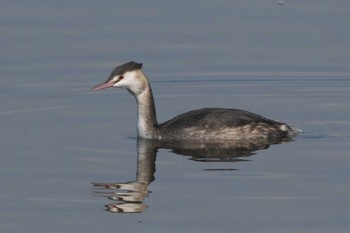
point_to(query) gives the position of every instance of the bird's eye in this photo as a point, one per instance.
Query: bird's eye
(121, 77)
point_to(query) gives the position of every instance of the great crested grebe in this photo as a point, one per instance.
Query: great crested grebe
(207, 124)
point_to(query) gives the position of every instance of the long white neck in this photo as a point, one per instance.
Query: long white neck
(146, 114)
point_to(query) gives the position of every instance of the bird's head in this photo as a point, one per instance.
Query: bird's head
(128, 76)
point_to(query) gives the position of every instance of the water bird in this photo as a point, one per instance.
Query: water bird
(206, 124)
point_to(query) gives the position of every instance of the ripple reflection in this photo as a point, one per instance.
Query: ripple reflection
(129, 196)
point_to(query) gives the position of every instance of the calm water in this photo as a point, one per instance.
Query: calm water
(288, 62)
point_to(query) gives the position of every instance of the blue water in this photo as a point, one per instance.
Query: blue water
(288, 62)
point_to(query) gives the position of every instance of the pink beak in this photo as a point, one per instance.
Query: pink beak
(103, 85)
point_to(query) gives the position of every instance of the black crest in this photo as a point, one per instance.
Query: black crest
(124, 68)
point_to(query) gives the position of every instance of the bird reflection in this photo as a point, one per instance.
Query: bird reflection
(129, 196)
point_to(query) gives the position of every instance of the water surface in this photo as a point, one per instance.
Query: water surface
(287, 62)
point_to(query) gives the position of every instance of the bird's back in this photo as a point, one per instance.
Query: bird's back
(222, 124)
